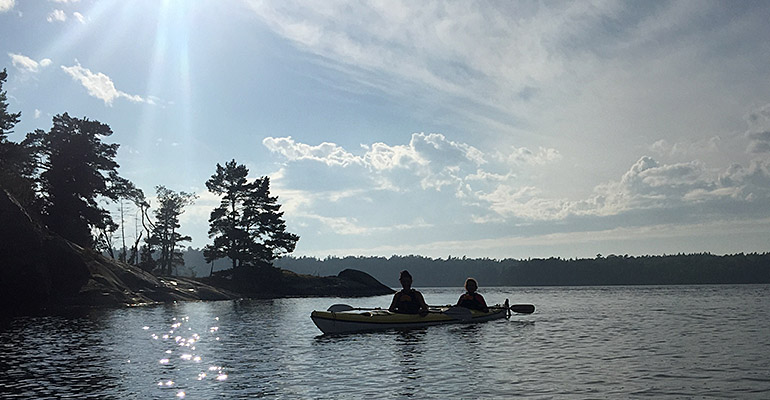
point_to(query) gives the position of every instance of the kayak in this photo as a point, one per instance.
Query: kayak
(365, 320)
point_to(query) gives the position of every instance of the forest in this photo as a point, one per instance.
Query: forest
(602, 270)
(609, 270)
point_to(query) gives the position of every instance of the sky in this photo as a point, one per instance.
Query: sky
(453, 128)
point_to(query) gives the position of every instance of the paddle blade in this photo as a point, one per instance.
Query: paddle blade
(340, 308)
(523, 308)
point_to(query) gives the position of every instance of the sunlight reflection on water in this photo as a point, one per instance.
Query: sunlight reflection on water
(662, 342)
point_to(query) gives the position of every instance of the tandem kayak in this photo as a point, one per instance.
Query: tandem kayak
(345, 319)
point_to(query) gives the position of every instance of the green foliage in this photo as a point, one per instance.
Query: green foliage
(247, 227)
(165, 239)
(72, 160)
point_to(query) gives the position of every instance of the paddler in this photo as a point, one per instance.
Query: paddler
(470, 299)
(408, 300)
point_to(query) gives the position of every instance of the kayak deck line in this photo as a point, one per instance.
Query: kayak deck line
(382, 319)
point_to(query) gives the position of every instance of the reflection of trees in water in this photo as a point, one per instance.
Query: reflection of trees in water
(409, 348)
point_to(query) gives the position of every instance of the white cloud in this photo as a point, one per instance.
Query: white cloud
(37, 113)
(25, 63)
(489, 186)
(98, 84)
(327, 153)
(56, 16)
(430, 159)
(428, 163)
(65, 1)
(651, 185)
(6, 5)
(78, 16)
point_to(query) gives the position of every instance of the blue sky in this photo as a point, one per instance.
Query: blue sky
(485, 129)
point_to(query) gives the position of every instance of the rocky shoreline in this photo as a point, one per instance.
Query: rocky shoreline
(42, 271)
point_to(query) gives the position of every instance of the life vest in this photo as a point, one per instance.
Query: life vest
(472, 301)
(406, 302)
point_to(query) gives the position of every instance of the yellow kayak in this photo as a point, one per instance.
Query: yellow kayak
(345, 319)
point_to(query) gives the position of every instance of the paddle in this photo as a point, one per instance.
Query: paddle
(345, 307)
(459, 313)
(517, 308)
(522, 308)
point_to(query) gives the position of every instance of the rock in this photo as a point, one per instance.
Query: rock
(40, 270)
(348, 283)
(366, 280)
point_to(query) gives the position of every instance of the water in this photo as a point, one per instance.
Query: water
(598, 342)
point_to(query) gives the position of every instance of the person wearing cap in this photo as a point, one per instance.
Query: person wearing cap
(408, 300)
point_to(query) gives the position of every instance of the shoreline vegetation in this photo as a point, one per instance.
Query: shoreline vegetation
(671, 269)
(44, 272)
(680, 269)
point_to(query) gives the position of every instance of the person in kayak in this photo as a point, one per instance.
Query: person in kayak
(408, 300)
(470, 299)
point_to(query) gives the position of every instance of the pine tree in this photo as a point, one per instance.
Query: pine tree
(248, 226)
(73, 159)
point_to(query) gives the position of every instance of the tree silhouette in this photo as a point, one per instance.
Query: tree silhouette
(15, 159)
(247, 226)
(72, 160)
(165, 237)
(7, 120)
(124, 190)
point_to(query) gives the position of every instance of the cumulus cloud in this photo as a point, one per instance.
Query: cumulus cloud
(6, 5)
(489, 181)
(56, 16)
(99, 85)
(647, 185)
(431, 160)
(748, 184)
(25, 63)
(327, 153)
(487, 189)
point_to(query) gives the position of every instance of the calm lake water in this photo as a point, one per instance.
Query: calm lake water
(582, 342)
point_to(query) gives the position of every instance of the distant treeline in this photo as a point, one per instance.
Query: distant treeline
(610, 270)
